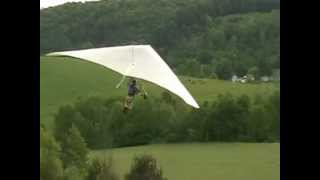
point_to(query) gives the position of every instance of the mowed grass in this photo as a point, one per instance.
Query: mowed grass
(63, 80)
(207, 161)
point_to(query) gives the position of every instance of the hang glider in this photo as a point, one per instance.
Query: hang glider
(138, 61)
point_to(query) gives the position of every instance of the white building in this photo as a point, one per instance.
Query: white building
(234, 78)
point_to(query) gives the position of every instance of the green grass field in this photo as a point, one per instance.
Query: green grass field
(63, 80)
(208, 161)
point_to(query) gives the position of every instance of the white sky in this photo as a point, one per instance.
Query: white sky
(49, 3)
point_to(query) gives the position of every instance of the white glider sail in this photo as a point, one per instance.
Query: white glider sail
(139, 61)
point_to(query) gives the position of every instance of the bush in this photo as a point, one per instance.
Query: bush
(102, 124)
(74, 173)
(255, 72)
(102, 169)
(224, 69)
(74, 149)
(51, 167)
(167, 98)
(92, 116)
(63, 121)
(213, 75)
(145, 168)
(225, 121)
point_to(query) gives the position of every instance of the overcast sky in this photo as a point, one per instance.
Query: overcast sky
(49, 3)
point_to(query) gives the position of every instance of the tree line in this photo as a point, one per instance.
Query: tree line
(206, 38)
(96, 123)
(165, 120)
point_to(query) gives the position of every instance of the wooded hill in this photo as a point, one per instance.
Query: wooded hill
(202, 38)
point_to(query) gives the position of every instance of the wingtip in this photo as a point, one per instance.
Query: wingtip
(48, 54)
(195, 105)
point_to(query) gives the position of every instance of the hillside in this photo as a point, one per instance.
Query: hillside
(64, 80)
(198, 38)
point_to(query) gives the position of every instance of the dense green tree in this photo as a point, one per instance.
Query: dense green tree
(227, 118)
(246, 32)
(259, 124)
(190, 67)
(92, 121)
(63, 121)
(74, 173)
(243, 107)
(102, 169)
(74, 149)
(205, 57)
(51, 166)
(254, 71)
(273, 111)
(145, 168)
(224, 69)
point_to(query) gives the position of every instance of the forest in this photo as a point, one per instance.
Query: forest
(200, 38)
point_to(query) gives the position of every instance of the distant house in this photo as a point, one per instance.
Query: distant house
(234, 78)
(243, 80)
(239, 79)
